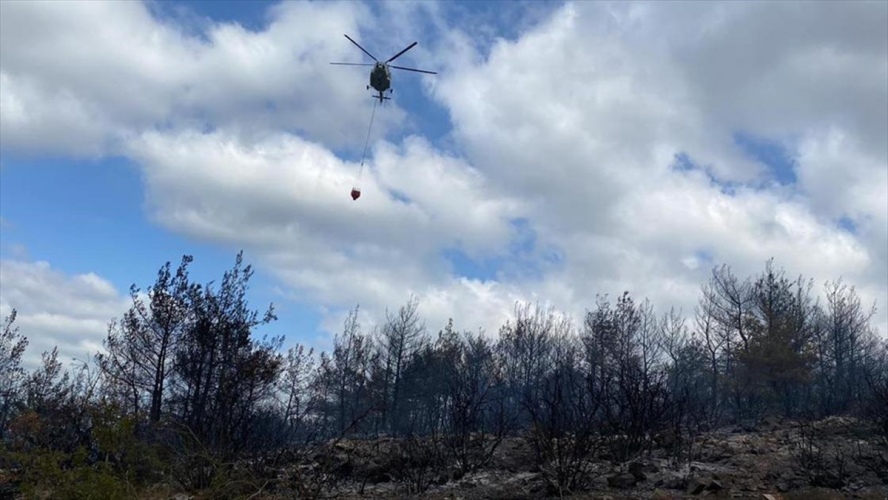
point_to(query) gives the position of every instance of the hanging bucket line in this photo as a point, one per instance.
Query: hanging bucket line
(356, 190)
(367, 142)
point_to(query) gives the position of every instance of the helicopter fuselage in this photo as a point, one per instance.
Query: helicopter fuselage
(381, 77)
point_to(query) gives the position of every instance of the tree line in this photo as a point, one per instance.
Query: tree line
(185, 387)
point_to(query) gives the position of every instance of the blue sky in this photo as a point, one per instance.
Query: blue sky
(540, 164)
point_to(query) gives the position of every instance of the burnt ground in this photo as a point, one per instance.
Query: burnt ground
(833, 458)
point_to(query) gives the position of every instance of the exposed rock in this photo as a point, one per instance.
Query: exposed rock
(772, 423)
(696, 486)
(377, 474)
(624, 480)
(639, 470)
(699, 485)
(675, 483)
(345, 445)
(828, 480)
(666, 439)
(659, 494)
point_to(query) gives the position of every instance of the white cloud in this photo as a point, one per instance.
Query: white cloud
(219, 185)
(808, 64)
(57, 309)
(287, 200)
(572, 126)
(599, 110)
(36, 118)
(842, 180)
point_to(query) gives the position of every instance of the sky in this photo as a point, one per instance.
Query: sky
(563, 150)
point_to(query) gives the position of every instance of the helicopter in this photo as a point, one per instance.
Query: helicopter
(381, 75)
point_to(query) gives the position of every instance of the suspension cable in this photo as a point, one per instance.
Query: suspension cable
(364, 154)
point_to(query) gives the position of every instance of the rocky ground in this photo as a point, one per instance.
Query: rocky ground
(833, 458)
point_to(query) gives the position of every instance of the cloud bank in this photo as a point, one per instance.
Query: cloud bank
(594, 151)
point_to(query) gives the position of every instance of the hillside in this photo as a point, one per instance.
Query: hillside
(837, 457)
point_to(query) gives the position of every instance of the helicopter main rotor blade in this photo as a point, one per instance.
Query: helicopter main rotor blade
(362, 48)
(400, 53)
(353, 64)
(412, 69)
